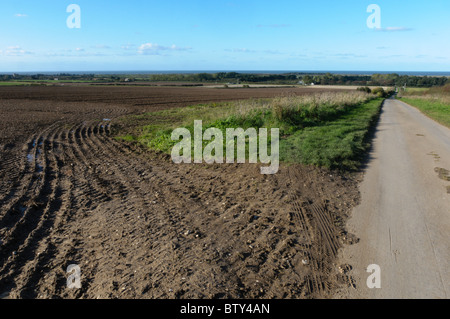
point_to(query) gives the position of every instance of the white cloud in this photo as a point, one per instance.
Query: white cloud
(245, 50)
(156, 49)
(128, 46)
(101, 46)
(15, 51)
(150, 49)
(21, 15)
(272, 52)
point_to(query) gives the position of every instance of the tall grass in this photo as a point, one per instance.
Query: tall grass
(317, 107)
(291, 113)
(311, 104)
(325, 129)
(439, 94)
(433, 102)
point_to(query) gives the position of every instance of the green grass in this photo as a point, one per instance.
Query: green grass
(416, 90)
(433, 102)
(13, 83)
(40, 82)
(156, 133)
(434, 108)
(339, 143)
(326, 130)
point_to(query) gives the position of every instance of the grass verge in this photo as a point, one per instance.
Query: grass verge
(433, 102)
(433, 108)
(339, 143)
(327, 130)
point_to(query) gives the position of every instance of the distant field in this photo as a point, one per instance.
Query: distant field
(157, 229)
(434, 102)
(411, 91)
(14, 83)
(39, 82)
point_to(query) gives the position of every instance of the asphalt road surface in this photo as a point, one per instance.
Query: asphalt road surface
(403, 221)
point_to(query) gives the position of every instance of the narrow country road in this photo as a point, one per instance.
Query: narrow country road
(403, 221)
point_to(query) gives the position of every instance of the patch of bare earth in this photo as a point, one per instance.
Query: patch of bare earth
(140, 226)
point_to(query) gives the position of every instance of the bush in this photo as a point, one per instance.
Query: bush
(364, 89)
(380, 92)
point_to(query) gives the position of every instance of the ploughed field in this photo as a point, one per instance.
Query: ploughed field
(140, 226)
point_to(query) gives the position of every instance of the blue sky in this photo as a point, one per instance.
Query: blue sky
(224, 35)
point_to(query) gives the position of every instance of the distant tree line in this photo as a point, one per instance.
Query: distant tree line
(243, 78)
(233, 77)
(46, 77)
(307, 79)
(376, 80)
(377, 91)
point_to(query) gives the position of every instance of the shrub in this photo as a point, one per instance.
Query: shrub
(379, 92)
(364, 89)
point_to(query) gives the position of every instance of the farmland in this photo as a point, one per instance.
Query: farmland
(80, 185)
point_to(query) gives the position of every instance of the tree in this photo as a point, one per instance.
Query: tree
(307, 79)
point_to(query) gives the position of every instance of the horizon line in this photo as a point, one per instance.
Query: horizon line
(354, 72)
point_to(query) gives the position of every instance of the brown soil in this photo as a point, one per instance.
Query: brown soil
(140, 226)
